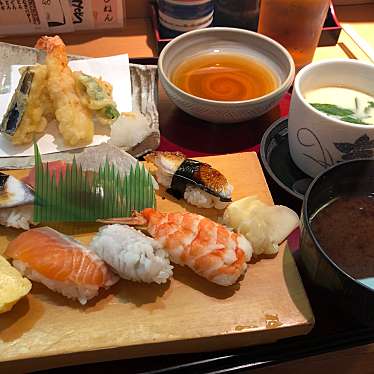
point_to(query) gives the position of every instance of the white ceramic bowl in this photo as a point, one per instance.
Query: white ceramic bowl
(226, 40)
(316, 140)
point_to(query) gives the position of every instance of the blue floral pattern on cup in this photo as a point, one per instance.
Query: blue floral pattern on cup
(362, 147)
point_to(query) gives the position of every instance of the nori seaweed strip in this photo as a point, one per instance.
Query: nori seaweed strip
(186, 174)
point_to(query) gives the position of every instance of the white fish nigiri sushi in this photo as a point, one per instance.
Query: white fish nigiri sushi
(132, 255)
(61, 263)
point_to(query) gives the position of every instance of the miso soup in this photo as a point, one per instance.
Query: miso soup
(345, 230)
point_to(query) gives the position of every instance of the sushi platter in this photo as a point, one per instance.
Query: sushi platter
(137, 319)
(206, 267)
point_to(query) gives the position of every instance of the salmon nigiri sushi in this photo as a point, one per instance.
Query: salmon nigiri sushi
(60, 262)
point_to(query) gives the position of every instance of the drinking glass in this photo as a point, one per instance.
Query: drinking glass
(296, 24)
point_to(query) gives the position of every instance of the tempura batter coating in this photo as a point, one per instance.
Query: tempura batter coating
(96, 95)
(38, 106)
(74, 120)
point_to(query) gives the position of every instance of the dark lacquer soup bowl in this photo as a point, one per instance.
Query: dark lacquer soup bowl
(337, 236)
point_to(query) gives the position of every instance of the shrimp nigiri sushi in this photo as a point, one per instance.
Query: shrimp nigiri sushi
(60, 263)
(197, 182)
(208, 248)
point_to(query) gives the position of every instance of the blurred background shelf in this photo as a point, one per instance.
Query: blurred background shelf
(138, 40)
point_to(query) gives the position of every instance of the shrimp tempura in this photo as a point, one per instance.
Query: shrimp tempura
(74, 120)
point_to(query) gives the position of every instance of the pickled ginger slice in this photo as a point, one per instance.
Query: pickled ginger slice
(265, 226)
(12, 285)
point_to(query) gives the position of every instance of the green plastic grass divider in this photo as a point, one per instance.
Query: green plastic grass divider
(85, 196)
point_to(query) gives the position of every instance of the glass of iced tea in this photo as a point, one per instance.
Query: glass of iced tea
(296, 24)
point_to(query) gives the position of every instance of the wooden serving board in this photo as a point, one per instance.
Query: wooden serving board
(188, 314)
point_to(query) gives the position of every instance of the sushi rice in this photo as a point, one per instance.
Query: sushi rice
(131, 254)
(82, 293)
(202, 199)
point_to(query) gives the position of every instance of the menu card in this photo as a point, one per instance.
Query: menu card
(59, 16)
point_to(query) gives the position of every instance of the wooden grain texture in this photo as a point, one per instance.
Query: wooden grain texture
(188, 314)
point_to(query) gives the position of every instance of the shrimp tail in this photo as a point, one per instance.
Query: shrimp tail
(49, 43)
(137, 219)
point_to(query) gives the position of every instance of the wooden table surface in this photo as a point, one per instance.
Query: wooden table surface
(137, 40)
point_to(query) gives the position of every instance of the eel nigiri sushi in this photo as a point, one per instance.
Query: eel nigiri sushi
(131, 254)
(208, 248)
(197, 182)
(61, 263)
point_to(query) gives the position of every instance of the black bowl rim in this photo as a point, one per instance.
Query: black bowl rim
(306, 221)
(266, 164)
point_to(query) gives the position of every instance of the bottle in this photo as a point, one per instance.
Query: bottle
(237, 13)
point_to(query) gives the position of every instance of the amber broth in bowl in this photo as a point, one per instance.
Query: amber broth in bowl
(224, 77)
